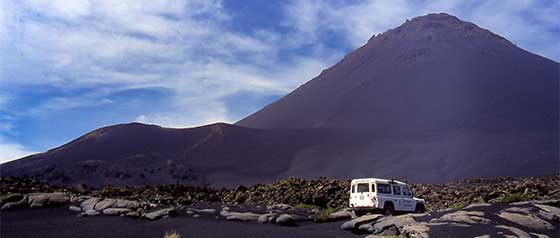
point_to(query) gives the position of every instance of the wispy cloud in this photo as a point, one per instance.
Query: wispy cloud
(532, 24)
(180, 45)
(60, 56)
(11, 151)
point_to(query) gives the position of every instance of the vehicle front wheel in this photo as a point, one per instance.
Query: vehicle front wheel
(420, 208)
(389, 209)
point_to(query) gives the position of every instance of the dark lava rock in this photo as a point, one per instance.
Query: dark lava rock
(321, 192)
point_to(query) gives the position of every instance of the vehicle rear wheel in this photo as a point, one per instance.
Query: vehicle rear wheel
(357, 213)
(389, 209)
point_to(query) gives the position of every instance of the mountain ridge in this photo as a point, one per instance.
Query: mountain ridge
(410, 61)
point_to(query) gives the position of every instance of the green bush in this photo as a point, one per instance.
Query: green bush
(456, 206)
(324, 214)
(479, 200)
(515, 197)
(306, 206)
(172, 234)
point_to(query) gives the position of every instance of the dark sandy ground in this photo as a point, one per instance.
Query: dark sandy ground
(59, 222)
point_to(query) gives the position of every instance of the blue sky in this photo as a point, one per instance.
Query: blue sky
(68, 67)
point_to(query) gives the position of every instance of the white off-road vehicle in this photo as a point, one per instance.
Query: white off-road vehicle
(370, 194)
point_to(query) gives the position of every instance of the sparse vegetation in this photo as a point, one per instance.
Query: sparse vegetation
(516, 197)
(479, 200)
(324, 214)
(306, 206)
(456, 205)
(10, 197)
(172, 234)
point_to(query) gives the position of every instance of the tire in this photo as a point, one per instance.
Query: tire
(420, 208)
(389, 209)
(357, 213)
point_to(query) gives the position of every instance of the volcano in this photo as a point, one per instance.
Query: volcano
(435, 99)
(442, 99)
(432, 73)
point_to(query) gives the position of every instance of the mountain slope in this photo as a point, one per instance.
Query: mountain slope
(442, 98)
(434, 72)
(135, 153)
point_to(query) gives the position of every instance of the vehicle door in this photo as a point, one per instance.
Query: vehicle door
(408, 203)
(397, 197)
(363, 195)
(384, 194)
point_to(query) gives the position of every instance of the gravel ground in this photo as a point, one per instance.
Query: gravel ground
(59, 222)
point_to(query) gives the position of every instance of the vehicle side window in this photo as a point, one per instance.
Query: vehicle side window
(405, 191)
(373, 188)
(383, 188)
(363, 187)
(353, 188)
(396, 189)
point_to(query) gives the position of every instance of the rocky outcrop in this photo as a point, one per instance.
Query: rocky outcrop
(286, 193)
(267, 218)
(280, 206)
(496, 190)
(240, 216)
(35, 200)
(529, 219)
(340, 215)
(94, 206)
(357, 222)
(47, 199)
(465, 217)
(205, 211)
(91, 212)
(15, 204)
(116, 211)
(322, 193)
(11, 197)
(162, 213)
(74, 209)
(89, 204)
(290, 219)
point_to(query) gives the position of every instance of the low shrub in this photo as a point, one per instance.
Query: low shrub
(456, 205)
(306, 206)
(172, 234)
(515, 197)
(324, 214)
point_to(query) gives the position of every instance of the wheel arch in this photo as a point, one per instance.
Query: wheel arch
(388, 202)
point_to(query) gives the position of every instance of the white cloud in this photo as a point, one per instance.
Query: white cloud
(11, 151)
(67, 10)
(196, 114)
(357, 22)
(530, 24)
(187, 47)
(164, 44)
